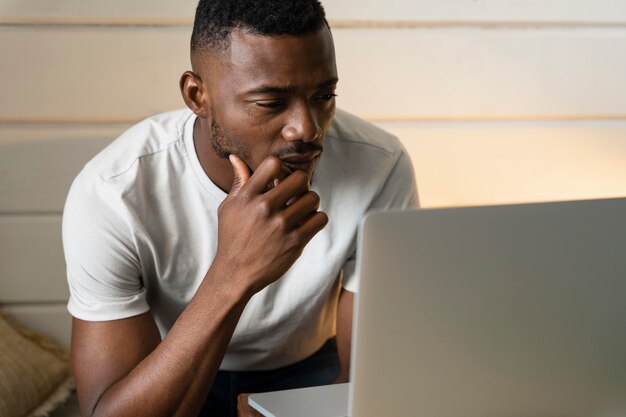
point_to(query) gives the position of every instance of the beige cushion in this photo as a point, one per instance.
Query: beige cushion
(34, 373)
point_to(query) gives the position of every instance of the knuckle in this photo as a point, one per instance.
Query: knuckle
(282, 224)
(263, 209)
(294, 242)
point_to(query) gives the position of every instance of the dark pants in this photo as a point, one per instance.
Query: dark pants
(321, 368)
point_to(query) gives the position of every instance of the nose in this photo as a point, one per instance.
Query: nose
(302, 124)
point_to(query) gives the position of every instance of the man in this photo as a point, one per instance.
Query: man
(195, 242)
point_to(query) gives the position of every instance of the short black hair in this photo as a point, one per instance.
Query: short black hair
(215, 20)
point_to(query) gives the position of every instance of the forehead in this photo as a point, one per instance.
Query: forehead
(294, 61)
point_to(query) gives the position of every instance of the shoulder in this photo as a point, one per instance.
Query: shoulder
(151, 136)
(356, 147)
(139, 157)
(348, 130)
(359, 155)
(362, 168)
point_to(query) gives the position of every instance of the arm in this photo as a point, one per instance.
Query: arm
(344, 333)
(121, 366)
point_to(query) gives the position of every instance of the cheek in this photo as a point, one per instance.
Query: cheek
(256, 140)
(326, 118)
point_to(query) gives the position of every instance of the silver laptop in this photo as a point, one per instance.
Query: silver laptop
(324, 401)
(491, 312)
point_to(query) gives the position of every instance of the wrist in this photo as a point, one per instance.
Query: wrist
(230, 282)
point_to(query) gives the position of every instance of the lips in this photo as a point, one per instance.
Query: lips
(303, 162)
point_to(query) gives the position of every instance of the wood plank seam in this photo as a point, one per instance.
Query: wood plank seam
(335, 24)
(107, 120)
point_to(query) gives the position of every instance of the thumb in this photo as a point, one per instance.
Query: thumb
(241, 173)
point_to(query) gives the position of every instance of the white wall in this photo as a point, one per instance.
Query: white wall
(497, 101)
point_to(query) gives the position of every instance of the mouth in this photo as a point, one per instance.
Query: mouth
(302, 162)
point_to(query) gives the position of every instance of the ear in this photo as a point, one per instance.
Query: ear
(194, 95)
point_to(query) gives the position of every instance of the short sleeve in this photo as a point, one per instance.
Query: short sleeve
(400, 189)
(398, 192)
(103, 270)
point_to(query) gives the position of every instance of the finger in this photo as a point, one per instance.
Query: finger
(311, 226)
(269, 169)
(296, 184)
(299, 211)
(241, 174)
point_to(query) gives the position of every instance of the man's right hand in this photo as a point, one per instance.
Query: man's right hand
(263, 231)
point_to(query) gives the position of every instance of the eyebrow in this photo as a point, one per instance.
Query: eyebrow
(271, 89)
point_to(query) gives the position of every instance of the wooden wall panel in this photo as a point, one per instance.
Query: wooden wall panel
(99, 73)
(495, 163)
(32, 267)
(84, 74)
(483, 11)
(39, 163)
(81, 10)
(601, 11)
(52, 320)
(482, 74)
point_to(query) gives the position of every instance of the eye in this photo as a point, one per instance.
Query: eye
(270, 104)
(326, 97)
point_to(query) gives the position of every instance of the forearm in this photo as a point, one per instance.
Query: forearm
(344, 333)
(175, 378)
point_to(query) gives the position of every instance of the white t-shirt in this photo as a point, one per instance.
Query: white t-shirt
(140, 233)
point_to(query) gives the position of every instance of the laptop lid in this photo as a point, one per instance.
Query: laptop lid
(492, 312)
